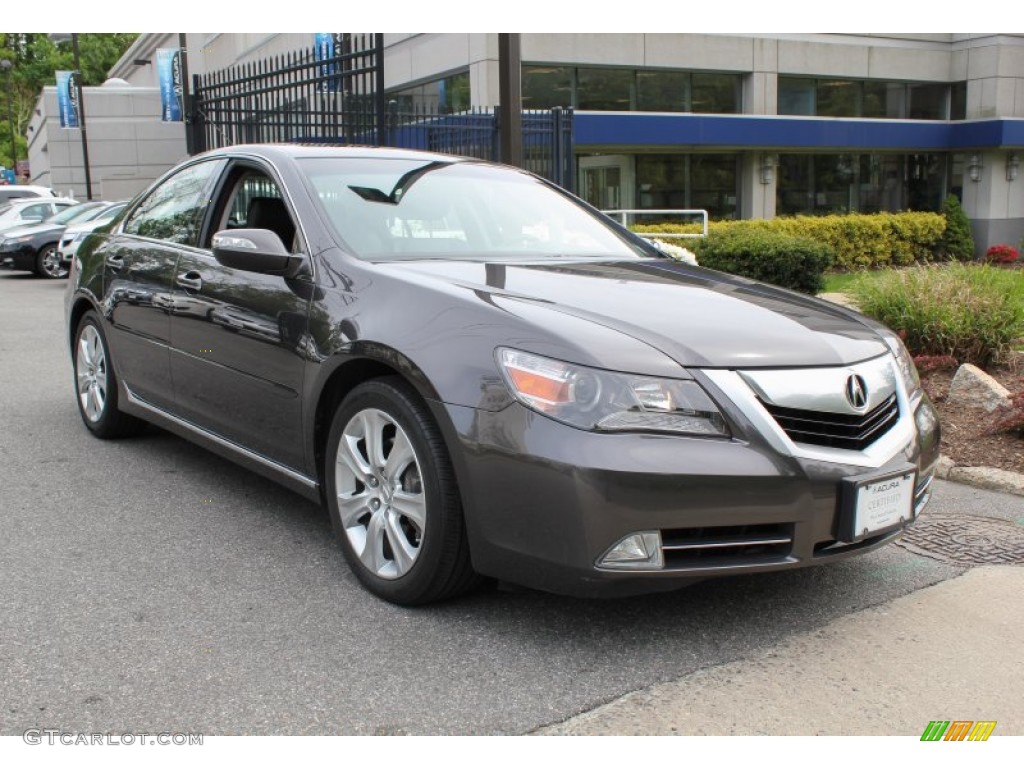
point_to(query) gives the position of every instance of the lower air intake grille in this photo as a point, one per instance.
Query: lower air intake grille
(836, 430)
(722, 546)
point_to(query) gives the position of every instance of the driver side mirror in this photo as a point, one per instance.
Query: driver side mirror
(255, 250)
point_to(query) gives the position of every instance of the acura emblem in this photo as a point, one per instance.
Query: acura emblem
(856, 392)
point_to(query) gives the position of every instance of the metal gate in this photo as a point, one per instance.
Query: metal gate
(310, 97)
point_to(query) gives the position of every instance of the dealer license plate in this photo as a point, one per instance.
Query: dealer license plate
(880, 504)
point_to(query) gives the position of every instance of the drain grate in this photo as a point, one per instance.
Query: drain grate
(966, 540)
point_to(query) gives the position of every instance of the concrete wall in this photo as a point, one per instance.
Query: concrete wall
(129, 146)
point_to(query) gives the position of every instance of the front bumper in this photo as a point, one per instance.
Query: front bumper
(544, 502)
(17, 256)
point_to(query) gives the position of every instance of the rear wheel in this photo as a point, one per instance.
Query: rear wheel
(48, 263)
(392, 496)
(96, 384)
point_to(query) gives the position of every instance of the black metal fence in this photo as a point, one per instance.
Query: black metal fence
(300, 97)
(295, 97)
(547, 137)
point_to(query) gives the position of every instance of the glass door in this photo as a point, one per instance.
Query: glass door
(606, 181)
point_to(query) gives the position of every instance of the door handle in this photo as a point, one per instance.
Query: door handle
(191, 281)
(115, 261)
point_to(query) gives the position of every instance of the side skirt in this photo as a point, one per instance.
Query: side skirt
(279, 473)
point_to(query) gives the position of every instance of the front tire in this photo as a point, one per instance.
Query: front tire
(96, 384)
(48, 263)
(392, 497)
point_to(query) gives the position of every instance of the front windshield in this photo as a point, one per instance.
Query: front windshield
(82, 212)
(400, 209)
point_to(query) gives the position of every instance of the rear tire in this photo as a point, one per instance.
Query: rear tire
(96, 384)
(392, 496)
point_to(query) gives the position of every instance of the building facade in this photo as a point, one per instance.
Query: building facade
(745, 126)
(129, 146)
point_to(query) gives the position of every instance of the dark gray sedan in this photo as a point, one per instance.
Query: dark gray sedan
(481, 376)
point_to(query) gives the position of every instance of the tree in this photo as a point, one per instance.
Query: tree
(957, 241)
(35, 58)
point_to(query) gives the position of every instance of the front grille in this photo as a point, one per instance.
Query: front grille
(728, 545)
(836, 430)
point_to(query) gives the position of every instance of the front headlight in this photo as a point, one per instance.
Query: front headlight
(605, 401)
(907, 369)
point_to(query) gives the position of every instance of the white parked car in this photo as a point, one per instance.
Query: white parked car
(76, 233)
(18, 191)
(31, 210)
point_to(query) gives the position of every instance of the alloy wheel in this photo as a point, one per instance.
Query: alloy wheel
(91, 373)
(379, 486)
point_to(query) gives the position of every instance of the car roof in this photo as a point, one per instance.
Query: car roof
(39, 191)
(37, 200)
(280, 151)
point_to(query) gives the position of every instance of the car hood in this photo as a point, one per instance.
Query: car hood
(33, 229)
(87, 226)
(697, 317)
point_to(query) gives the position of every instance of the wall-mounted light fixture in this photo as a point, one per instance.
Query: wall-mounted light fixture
(974, 168)
(768, 163)
(1012, 166)
(141, 62)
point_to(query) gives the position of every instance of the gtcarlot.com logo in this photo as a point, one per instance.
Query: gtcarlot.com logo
(53, 736)
(958, 730)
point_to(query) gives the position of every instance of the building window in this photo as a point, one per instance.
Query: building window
(698, 180)
(860, 183)
(929, 102)
(445, 95)
(827, 97)
(658, 91)
(958, 101)
(547, 87)
(608, 90)
(614, 90)
(796, 96)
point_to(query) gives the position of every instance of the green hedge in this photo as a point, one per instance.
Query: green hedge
(772, 257)
(859, 241)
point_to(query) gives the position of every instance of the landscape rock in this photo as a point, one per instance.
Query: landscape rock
(990, 478)
(944, 466)
(974, 388)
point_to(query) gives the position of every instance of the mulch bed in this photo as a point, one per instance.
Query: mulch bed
(964, 437)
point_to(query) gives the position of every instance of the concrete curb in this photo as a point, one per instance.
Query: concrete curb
(989, 478)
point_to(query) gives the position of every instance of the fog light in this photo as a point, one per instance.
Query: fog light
(927, 425)
(638, 550)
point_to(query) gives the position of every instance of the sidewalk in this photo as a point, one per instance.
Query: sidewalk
(954, 651)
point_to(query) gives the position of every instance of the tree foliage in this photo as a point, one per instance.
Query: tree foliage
(35, 58)
(957, 240)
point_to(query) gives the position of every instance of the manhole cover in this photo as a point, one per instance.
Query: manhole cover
(966, 540)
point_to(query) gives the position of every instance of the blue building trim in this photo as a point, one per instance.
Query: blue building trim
(661, 130)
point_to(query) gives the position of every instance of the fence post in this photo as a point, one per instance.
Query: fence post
(195, 126)
(378, 66)
(569, 145)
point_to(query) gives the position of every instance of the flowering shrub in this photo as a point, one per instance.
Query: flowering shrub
(673, 250)
(931, 363)
(1010, 419)
(1001, 254)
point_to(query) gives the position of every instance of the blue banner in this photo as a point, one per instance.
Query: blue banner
(168, 70)
(325, 52)
(67, 99)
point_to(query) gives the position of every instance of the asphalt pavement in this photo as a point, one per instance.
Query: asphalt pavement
(149, 585)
